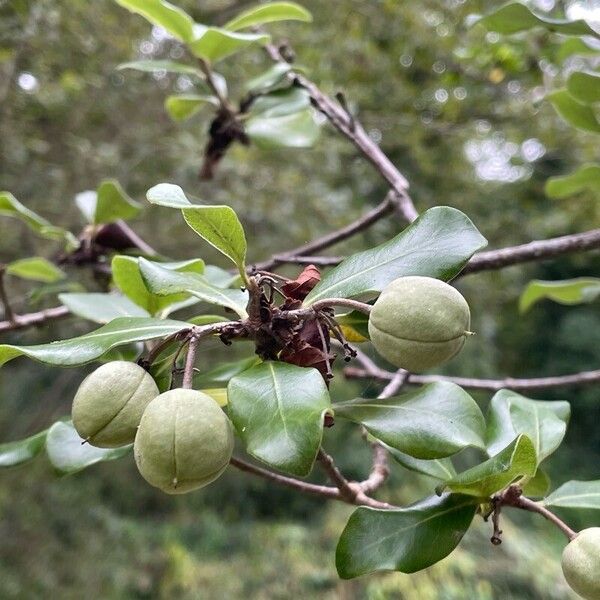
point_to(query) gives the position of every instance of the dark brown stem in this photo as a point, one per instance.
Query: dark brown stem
(210, 81)
(535, 383)
(512, 497)
(8, 311)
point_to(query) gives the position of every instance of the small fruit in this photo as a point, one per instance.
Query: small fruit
(109, 403)
(184, 441)
(581, 563)
(419, 322)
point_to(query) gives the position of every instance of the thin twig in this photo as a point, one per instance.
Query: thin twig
(190, 361)
(323, 491)
(538, 250)
(212, 84)
(346, 490)
(351, 128)
(513, 497)
(135, 239)
(353, 304)
(330, 239)
(536, 383)
(35, 318)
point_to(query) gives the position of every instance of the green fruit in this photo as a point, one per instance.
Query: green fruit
(109, 403)
(184, 441)
(581, 563)
(419, 322)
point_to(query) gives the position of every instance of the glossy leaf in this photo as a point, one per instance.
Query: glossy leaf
(297, 130)
(225, 371)
(515, 462)
(272, 76)
(269, 13)
(35, 268)
(164, 14)
(186, 105)
(22, 451)
(570, 291)
(354, 326)
(221, 228)
(69, 454)
(166, 282)
(574, 46)
(438, 468)
(126, 275)
(11, 207)
(168, 194)
(575, 494)
(573, 112)
(406, 539)
(515, 17)
(214, 43)
(86, 348)
(584, 86)
(281, 103)
(437, 244)
(511, 414)
(586, 178)
(538, 486)
(101, 308)
(113, 203)
(435, 421)
(278, 411)
(157, 66)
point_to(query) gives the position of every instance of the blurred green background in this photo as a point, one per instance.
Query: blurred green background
(459, 111)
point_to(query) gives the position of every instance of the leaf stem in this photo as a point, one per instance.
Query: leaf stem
(354, 304)
(190, 361)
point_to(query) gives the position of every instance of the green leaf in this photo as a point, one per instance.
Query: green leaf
(586, 178)
(219, 395)
(569, 291)
(281, 103)
(354, 325)
(127, 276)
(225, 371)
(435, 421)
(584, 86)
(516, 462)
(573, 112)
(154, 66)
(269, 13)
(214, 43)
(11, 207)
(272, 76)
(438, 468)
(168, 194)
(515, 17)
(35, 268)
(108, 204)
(69, 454)
(171, 18)
(537, 486)
(186, 105)
(166, 282)
(86, 348)
(101, 308)
(221, 228)
(22, 451)
(511, 414)
(297, 130)
(438, 244)
(278, 411)
(406, 539)
(575, 494)
(573, 46)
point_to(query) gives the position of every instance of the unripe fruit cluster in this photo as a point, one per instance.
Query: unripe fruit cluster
(581, 563)
(182, 438)
(418, 323)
